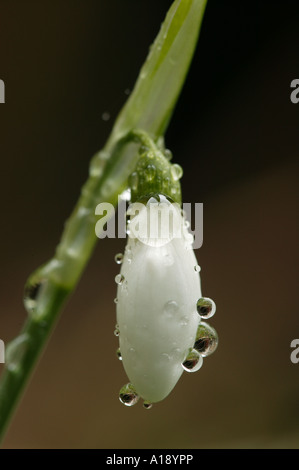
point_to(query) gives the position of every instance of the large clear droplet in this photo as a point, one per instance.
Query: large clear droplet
(128, 395)
(168, 154)
(119, 279)
(206, 340)
(206, 307)
(119, 258)
(193, 361)
(31, 294)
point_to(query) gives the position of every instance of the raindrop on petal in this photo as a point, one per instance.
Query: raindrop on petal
(206, 340)
(119, 258)
(193, 361)
(119, 279)
(206, 307)
(118, 354)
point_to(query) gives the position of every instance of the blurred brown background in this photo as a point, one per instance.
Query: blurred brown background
(235, 131)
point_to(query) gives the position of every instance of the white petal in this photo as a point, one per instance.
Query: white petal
(156, 314)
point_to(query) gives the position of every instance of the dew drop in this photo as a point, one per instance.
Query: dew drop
(147, 405)
(176, 172)
(119, 279)
(31, 294)
(133, 181)
(150, 172)
(119, 258)
(128, 395)
(116, 300)
(116, 331)
(197, 268)
(170, 308)
(206, 307)
(118, 354)
(193, 361)
(206, 340)
(168, 154)
(15, 352)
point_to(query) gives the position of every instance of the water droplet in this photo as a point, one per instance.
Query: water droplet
(106, 116)
(147, 405)
(176, 172)
(193, 361)
(116, 331)
(170, 308)
(116, 300)
(206, 340)
(15, 352)
(119, 279)
(119, 258)
(184, 320)
(128, 395)
(118, 354)
(197, 268)
(31, 294)
(168, 154)
(206, 307)
(133, 181)
(150, 172)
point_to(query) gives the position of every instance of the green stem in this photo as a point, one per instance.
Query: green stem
(149, 108)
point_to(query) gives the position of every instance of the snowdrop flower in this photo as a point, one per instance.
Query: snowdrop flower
(159, 300)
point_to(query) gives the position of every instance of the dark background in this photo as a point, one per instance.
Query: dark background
(235, 132)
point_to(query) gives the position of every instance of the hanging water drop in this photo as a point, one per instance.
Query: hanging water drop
(119, 258)
(147, 405)
(206, 307)
(193, 361)
(176, 172)
(128, 395)
(197, 268)
(119, 279)
(206, 340)
(116, 300)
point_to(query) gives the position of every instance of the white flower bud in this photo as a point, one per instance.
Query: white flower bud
(156, 309)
